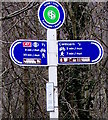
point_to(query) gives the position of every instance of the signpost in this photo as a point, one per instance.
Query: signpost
(44, 53)
(51, 15)
(29, 52)
(79, 52)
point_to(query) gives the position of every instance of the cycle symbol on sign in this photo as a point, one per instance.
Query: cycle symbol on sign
(51, 14)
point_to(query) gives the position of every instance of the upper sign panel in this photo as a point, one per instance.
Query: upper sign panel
(79, 52)
(51, 14)
(29, 52)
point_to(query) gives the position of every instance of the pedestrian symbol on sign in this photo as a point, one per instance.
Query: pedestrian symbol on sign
(43, 55)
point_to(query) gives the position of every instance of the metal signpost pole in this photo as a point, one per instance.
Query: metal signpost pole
(52, 62)
(51, 15)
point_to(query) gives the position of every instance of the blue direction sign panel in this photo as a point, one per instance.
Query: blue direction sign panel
(79, 52)
(51, 14)
(29, 52)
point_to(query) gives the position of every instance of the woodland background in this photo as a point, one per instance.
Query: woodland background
(83, 89)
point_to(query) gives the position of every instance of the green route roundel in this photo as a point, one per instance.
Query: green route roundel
(51, 15)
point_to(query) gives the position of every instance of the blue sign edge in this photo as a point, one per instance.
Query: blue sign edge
(39, 16)
(102, 53)
(24, 41)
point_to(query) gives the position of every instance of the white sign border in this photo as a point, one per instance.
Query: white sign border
(10, 53)
(98, 43)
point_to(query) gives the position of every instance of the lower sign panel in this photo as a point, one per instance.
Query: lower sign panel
(29, 52)
(74, 59)
(31, 61)
(79, 52)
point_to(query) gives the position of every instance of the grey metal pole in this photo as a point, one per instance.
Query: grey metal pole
(26, 94)
(52, 62)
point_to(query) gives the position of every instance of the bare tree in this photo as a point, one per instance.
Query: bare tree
(83, 90)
